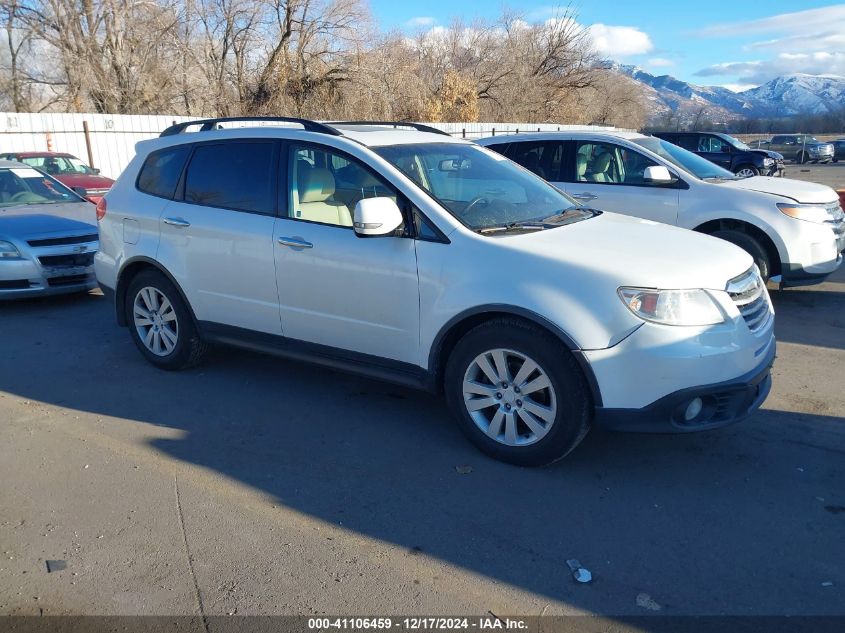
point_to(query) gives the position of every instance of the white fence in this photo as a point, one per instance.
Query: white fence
(107, 141)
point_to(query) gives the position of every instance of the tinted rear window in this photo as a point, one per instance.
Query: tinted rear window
(161, 171)
(238, 176)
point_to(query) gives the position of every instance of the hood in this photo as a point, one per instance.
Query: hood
(628, 251)
(48, 220)
(795, 190)
(769, 154)
(87, 181)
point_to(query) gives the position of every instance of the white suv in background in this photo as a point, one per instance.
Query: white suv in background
(411, 256)
(794, 230)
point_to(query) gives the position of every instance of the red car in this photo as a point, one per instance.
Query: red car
(67, 169)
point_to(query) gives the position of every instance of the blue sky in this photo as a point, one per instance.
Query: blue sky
(735, 44)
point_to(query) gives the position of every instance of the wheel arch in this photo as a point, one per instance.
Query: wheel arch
(129, 271)
(730, 224)
(460, 324)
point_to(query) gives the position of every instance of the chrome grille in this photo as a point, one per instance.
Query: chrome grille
(748, 293)
(836, 222)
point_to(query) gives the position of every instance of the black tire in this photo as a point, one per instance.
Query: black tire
(751, 168)
(189, 349)
(835, 160)
(750, 246)
(572, 396)
(802, 158)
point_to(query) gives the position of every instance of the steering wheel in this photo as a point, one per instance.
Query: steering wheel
(20, 196)
(474, 203)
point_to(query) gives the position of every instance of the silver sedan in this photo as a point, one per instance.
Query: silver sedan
(48, 235)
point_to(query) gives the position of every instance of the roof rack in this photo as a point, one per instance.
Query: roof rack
(417, 126)
(209, 124)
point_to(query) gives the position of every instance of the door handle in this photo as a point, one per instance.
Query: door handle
(294, 242)
(584, 196)
(177, 222)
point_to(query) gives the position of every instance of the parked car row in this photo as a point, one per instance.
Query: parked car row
(729, 153)
(802, 148)
(67, 169)
(536, 281)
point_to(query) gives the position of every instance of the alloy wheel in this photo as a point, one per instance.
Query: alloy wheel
(155, 321)
(509, 397)
(745, 173)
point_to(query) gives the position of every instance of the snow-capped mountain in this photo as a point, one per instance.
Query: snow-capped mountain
(784, 96)
(799, 94)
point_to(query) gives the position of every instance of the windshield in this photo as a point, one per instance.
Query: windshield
(736, 142)
(482, 189)
(806, 138)
(689, 162)
(22, 185)
(58, 165)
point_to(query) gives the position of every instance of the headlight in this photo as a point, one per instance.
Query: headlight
(672, 307)
(808, 212)
(768, 162)
(8, 250)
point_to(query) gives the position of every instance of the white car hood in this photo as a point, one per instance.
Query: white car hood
(795, 190)
(628, 251)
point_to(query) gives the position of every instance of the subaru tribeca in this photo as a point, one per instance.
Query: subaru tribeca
(401, 253)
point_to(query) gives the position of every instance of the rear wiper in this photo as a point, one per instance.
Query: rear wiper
(528, 226)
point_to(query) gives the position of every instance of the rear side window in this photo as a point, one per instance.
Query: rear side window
(544, 158)
(239, 176)
(687, 141)
(161, 171)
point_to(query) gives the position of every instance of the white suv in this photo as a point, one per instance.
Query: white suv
(411, 256)
(794, 230)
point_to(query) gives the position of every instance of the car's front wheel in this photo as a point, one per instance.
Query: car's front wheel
(802, 158)
(751, 246)
(517, 393)
(746, 171)
(160, 322)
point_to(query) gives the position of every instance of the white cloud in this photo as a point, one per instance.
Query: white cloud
(660, 62)
(420, 21)
(808, 21)
(802, 31)
(739, 87)
(761, 71)
(619, 41)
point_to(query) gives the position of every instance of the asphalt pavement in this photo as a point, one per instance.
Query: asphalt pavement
(253, 485)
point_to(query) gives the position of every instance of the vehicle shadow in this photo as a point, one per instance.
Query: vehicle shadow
(812, 315)
(706, 523)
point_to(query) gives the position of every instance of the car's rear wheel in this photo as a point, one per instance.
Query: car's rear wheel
(161, 324)
(517, 393)
(746, 171)
(751, 246)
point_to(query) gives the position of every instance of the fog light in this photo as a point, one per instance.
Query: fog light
(693, 409)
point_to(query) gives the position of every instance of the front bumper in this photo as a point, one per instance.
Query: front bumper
(723, 403)
(797, 275)
(48, 271)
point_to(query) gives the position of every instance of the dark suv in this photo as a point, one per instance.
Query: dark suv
(728, 152)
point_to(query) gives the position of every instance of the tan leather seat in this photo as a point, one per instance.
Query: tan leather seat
(581, 167)
(316, 198)
(600, 168)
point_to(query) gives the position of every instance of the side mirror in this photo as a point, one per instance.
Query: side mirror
(376, 217)
(658, 175)
(95, 170)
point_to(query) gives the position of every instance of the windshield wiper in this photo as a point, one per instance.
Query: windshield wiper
(572, 214)
(528, 226)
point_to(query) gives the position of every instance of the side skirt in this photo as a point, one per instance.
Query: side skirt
(388, 370)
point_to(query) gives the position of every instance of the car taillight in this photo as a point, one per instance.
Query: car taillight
(101, 209)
